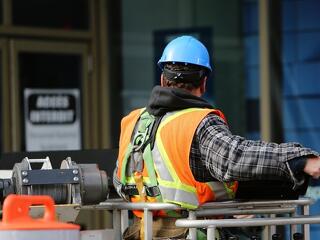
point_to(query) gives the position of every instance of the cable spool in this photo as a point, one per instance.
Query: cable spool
(23, 186)
(72, 183)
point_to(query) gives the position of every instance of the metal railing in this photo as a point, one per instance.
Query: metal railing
(270, 208)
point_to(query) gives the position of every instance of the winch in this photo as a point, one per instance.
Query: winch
(71, 184)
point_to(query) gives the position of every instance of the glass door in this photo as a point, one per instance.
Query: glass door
(49, 95)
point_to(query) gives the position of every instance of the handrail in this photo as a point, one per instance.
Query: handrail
(200, 212)
(259, 203)
(137, 206)
(230, 212)
(120, 204)
(252, 222)
(212, 224)
(120, 209)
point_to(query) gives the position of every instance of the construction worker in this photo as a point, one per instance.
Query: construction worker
(179, 149)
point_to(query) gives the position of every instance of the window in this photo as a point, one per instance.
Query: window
(61, 14)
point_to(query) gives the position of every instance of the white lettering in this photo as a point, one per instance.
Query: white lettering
(52, 116)
(50, 102)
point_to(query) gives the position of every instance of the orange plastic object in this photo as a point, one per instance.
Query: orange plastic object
(15, 214)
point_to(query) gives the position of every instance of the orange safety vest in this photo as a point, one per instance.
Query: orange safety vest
(171, 155)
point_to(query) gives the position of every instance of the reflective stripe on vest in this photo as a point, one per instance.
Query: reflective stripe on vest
(172, 189)
(176, 186)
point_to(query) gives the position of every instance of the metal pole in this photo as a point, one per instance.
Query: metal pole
(124, 220)
(306, 227)
(247, 222)
(192, 231)
(293, 227)
(211, 233)
(148, 218)
(272, 228)
(270, 70)
(265, 78)
(116, 215)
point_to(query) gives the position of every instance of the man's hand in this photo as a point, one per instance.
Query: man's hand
(312, 167)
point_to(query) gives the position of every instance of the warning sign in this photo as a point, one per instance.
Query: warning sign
(52, 119)
(52, 108)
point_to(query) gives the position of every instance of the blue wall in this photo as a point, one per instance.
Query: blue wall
(251, 61)
(301, 70)
(301, 76)
(301, 67)
(301, 80)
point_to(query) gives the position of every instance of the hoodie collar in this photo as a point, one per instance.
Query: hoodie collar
(166, 99)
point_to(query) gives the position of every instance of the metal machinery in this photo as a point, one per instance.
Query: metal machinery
(84, 186)
(73, 183)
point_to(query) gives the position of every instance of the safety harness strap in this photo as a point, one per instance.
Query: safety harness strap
(141, 145)
(140, 152)
(123, 178)
(147, 157)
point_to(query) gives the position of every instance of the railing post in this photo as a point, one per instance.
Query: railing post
(116, 216)
(293, 227)
(148, 219)
(124, 220)
(306, 227)
(120, 216)
(272, 228)
(192, 231)
(211, 233)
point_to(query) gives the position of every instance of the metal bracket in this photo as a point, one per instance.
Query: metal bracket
(49, 176)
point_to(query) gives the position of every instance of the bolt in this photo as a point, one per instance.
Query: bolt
(25, 180)
(75, 171)
(76, 179)
(24, 173)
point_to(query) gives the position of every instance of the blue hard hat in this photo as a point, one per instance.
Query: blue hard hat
(185, 49)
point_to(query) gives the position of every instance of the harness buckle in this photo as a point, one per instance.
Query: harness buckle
(153, 191)
(131, 190)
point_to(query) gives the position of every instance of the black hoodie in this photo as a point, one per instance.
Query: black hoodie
(166, 99)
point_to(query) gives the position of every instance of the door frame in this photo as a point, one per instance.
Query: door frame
(54, 47)
(5, 95)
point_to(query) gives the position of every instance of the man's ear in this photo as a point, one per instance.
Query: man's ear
(203, 85)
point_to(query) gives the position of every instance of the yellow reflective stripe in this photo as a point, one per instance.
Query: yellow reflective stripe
(179, 186)
(160, 144)
(164, 153)
(180, 197)
(182, 204)
(160, 168)
(179, 113)
(172, 171)
(165, 156)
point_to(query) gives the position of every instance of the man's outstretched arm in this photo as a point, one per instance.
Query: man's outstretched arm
(230, 157)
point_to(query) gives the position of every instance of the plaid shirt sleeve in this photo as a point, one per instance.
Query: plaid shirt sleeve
(217, 154)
